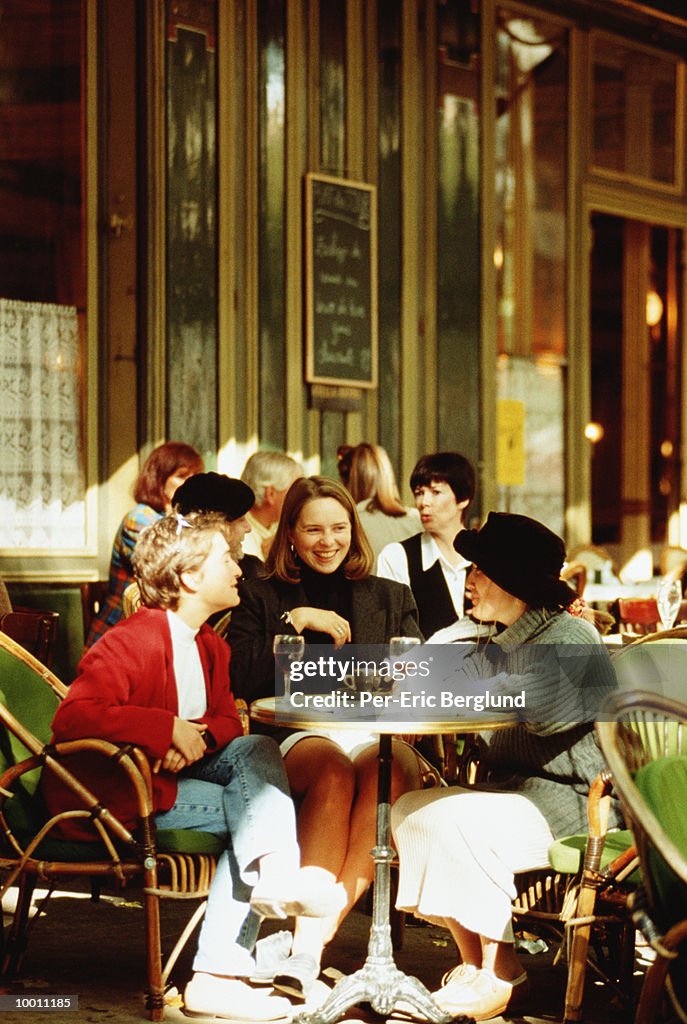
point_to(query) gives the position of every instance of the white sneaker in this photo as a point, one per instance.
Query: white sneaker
(208, 995)
(311, 892)
(460, 973)
(483, 996)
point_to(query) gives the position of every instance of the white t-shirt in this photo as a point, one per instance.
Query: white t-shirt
(188, 670)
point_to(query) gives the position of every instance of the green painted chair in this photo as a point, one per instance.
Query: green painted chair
(171, 863)
(644, 739)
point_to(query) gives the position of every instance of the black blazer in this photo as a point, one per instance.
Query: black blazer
(380, 609)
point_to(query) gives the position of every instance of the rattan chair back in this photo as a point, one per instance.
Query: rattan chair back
(656, 663)
(641, 735)
(173, 863)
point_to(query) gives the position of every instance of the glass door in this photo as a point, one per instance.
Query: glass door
(635, 323)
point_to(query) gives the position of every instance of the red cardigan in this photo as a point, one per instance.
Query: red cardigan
(125, 691)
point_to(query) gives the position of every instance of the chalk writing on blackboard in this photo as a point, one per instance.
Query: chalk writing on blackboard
(341, 276)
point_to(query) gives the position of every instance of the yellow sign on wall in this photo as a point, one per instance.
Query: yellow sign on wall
(510, 443)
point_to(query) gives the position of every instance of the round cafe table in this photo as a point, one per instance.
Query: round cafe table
(379, 981)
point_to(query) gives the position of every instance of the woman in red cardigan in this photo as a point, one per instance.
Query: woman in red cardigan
(161, 680)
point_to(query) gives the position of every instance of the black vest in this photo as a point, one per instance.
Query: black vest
(430, 589)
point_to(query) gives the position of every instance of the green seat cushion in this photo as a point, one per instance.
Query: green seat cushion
(567, 855)
(31, 701)
(181, 840)
(34, 704)
(663, 785)
(70, 853)
(168, 841)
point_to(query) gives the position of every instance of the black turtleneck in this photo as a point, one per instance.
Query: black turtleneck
(331, 591)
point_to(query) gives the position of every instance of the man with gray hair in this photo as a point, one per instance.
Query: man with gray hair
(269, 474)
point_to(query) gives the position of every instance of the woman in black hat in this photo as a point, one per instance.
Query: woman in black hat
(460, 848)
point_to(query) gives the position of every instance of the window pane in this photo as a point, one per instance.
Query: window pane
(458, 218)
(42, 273)
(191, 226)
(389, 221)
(634, 112)
(332, 83)
(271, 231)
(531, 134)
(529, 255)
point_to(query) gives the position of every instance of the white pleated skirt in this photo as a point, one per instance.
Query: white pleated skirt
(459, 850)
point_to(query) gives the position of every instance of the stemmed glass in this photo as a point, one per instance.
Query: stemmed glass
(399, 646)
(668, 599)
(287, 648)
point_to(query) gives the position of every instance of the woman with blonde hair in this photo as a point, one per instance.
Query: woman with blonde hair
(318, 585)
(367, 473)
(160, 680)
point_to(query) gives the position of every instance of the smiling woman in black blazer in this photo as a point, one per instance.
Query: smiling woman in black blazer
(318, 584)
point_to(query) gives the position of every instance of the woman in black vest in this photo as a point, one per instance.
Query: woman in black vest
(444, 486)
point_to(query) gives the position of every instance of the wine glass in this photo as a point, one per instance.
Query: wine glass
(668, 599)
(287, 648)
(399, 646)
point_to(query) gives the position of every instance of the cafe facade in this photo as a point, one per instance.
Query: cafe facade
(433, 224)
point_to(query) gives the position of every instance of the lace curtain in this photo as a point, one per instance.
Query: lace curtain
(42, 478)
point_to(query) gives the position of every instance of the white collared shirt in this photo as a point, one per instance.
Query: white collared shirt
(393, 565)
(188, 669)
(252, 542)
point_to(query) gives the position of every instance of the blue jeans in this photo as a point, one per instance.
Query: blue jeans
(240, 794)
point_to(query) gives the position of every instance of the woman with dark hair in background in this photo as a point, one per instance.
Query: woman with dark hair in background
(443, 484)
(164, 470)
(368, 475)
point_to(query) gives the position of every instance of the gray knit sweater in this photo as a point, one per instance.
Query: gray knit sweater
(552, 757)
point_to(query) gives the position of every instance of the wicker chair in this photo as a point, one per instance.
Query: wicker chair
(672, 561)
(171, 863)
(582, 900)
(597, 561)
(575, 574)
(644, 739)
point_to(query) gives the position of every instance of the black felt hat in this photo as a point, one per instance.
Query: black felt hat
(214, 492)
(521, 555)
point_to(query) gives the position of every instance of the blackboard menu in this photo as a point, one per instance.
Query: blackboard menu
(341, 282)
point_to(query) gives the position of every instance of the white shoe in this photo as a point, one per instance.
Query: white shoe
(208, 995)
(460, 973)
(270, 953)
(483, 996)
(311, 892)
